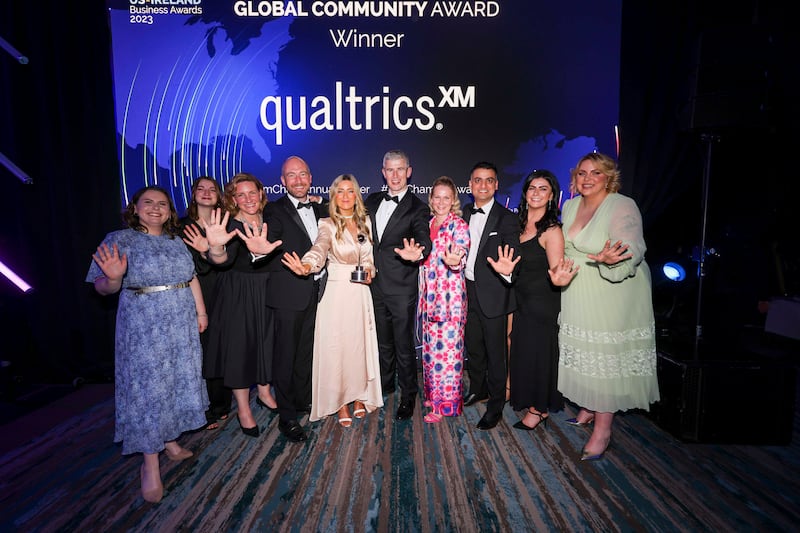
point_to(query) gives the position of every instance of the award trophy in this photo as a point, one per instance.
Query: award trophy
(359, 275)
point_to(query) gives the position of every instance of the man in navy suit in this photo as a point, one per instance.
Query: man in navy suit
(293, 299)
(401, 238)
(490, 297)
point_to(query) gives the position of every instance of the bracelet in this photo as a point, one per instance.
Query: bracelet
(198, 316)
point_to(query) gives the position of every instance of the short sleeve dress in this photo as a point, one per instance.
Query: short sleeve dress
(607, 359)
(159, 389)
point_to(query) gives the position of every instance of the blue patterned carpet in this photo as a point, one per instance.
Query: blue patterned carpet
(383, 475)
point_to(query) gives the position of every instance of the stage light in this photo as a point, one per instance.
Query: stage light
(673, 271)
(14, 169)
(14, 278)
(13, 52)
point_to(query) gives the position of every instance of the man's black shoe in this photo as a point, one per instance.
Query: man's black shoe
(292, 430)
(405, 410)
(472, 399)
(489, 420)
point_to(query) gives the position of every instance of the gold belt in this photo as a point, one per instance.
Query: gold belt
(157, 288)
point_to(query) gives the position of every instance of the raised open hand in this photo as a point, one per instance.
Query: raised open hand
(293, 263)
(411, 251)
(453, 254)
(110, 262)
(611, 254)
(255, 239)
(195, 238)
(563, 272)
(216, 229)
(505, 260)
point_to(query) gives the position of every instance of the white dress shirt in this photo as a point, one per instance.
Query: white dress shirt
(385, 210)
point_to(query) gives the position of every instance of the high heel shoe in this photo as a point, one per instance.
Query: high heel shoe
(180, 456)
(263, 405)
(344, 417)
(542, 422)
(588, 456)
(250, 432)
(359, 409)
(576, 423)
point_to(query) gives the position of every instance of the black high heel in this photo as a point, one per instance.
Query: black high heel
(542, 422)
(250, 432)
(263, 405)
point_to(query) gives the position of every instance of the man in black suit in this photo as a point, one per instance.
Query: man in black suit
(293, 299)
(401, 237)
(490, 297)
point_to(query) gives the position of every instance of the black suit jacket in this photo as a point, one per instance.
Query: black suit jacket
(287, 290)
(495, 295)
(409, 220)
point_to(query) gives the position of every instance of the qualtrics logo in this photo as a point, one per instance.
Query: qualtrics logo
(349, 109)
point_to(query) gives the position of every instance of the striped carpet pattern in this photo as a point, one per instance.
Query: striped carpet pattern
(383, 475)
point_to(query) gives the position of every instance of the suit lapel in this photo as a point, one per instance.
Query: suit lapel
(401, 209)
(491, 224)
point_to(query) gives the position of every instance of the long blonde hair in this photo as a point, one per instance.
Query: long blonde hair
(359, 213)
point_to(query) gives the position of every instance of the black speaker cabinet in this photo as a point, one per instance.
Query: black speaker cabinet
(726, 402)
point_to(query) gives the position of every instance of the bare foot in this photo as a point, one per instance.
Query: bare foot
(152, 488)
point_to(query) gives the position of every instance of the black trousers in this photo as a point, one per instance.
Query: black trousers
(292, 359)
(486, 340)
(394, 321)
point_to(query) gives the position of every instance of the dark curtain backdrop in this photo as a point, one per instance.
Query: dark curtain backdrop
(58, 126)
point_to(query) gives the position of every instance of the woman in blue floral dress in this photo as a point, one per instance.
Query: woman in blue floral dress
(160, 391)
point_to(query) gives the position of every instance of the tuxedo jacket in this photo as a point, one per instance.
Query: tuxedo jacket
(409, 221)
(287, 290)
(495, 294)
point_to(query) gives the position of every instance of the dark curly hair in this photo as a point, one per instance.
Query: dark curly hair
(172, 226)
(550, 217)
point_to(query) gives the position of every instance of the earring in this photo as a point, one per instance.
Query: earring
(549, 204)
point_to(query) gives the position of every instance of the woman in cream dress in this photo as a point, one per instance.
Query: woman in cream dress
(346, 367)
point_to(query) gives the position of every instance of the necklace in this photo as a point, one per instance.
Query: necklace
(347, 217)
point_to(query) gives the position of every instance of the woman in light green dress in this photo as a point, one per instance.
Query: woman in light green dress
(607, 359)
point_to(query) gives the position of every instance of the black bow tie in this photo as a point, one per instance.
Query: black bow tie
(301, 205)
(474, 210)
(389, 198)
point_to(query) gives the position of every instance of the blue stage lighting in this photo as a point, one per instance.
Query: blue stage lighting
(674, 271)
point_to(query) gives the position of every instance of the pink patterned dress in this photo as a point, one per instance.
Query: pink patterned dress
(443, 312)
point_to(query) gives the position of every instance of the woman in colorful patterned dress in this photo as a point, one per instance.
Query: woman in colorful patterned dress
(443, 303)
(159, 389)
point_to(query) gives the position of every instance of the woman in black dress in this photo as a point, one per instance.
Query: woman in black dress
(533, 361)
(206, 197)
(241, 329)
